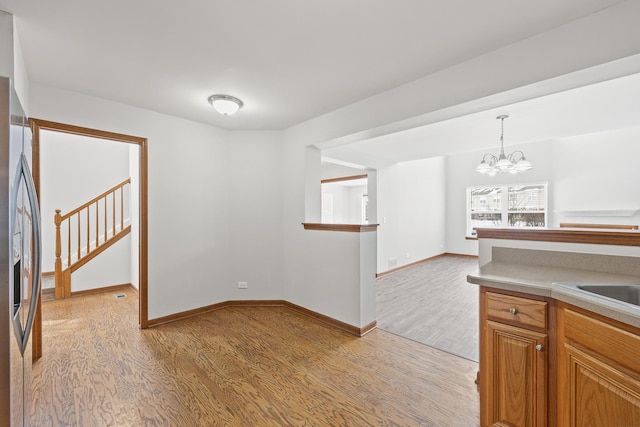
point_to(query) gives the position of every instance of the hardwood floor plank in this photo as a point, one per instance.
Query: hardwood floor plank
(433, 304)
(238, 366)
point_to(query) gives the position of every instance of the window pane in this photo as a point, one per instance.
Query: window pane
(486, 200)
(483, 220)
(526, 219)
(527, 198)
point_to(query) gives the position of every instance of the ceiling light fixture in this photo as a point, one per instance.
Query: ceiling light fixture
(513, 163)
(225, 104)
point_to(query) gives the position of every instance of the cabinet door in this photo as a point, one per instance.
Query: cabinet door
(600, 393)
(516, 363)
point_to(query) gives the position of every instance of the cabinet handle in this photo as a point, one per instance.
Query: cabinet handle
(513, 310)
(539, 347)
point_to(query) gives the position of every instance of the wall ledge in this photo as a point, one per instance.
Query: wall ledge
(597, 237)
(357, 228)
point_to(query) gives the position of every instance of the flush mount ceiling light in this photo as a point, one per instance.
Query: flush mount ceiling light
(513, 163)
(225, 104)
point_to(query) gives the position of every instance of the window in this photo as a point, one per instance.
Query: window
(506, 206)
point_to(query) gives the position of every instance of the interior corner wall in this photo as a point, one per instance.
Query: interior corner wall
(411, 212)
(255, 215)
(188, 195)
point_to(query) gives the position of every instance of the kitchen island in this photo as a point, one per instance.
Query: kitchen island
(550, 352)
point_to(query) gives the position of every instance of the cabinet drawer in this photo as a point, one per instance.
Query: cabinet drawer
(516, 310)
(607, 340)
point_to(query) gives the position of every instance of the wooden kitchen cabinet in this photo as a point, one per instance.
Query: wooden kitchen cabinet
(545, 363)
(514, 360)
(599, 371)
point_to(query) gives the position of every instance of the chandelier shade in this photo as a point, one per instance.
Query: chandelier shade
(502, 163)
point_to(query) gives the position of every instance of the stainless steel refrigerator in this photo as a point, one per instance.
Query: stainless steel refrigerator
(20, 252)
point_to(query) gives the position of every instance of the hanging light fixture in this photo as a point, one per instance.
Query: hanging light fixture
(513, 163)
(225, 104)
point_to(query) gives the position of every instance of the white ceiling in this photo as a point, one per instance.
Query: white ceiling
(609, 105)
(288, 60)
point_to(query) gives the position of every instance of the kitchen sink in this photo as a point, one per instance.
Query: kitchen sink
(629, 293)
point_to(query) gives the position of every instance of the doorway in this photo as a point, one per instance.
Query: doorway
(136, 143)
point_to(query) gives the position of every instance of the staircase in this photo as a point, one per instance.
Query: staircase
(89, 230)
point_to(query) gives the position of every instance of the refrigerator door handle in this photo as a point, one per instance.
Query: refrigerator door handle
(37, 248)
(23, 172)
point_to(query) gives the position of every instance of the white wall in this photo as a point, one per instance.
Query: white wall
(332, 170)
(347, 202)
(255, 214)
(339, 196)
(597, 172)
(188, 211)
(214, 201)
(592, 172)
(411, 211)
(110, 268)
(74, 169)
(461, 174)
(324, 271)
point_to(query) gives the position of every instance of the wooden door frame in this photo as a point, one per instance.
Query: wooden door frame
(36, 126)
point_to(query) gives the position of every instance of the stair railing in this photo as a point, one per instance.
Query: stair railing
(90, 228)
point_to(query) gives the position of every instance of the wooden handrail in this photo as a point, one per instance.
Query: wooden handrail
(95, 199)
(93, 243)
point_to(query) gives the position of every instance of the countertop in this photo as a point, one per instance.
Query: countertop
(555, 283)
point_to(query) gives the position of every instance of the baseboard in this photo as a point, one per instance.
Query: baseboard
(123, 287)
(331, 321)
(460, 255)
(266, 303)
(402, 267)
(48, 294)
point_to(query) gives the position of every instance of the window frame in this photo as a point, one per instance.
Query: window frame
(504, 211)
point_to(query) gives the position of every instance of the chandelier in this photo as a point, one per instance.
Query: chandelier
(513, 163)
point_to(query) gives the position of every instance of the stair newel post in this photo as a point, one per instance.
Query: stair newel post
(58, 264)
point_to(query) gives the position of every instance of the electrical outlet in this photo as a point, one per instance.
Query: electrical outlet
(243, 285)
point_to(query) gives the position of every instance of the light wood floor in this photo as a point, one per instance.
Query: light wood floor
(432, 303)
(244, 366)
